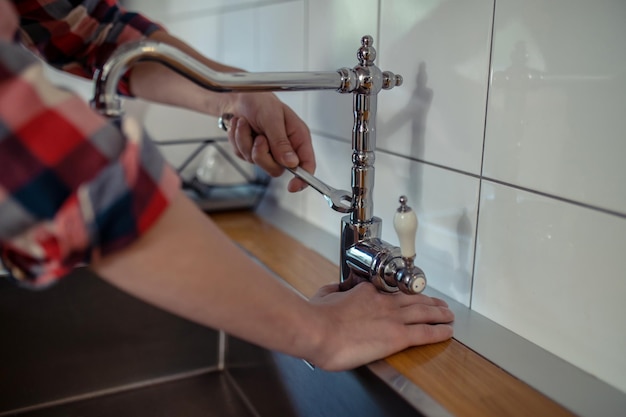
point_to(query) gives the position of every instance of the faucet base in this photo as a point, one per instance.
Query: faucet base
(351, 234)
(365, 257)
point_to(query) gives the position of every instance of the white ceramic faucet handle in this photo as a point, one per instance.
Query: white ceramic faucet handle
(405, 223)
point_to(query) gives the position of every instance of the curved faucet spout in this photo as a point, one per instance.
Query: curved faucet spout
(106, 99)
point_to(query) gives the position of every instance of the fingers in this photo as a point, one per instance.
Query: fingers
(262, 156)
(300, 139)
(417, 308)
(420, 308)
(251, 147)
(326, 290)
(279, 127)
(281, 148)
(403, 309)
(270, 134)
(408, 309)
(241, 138)
(425, 314)
(424, 334)
(267, 150)
(409, 299)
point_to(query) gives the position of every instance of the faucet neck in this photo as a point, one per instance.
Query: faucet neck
(363, 158)
(370, 81)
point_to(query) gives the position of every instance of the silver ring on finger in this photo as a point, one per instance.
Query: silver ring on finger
(224, 121)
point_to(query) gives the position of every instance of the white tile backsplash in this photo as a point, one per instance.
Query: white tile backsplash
(335, 29)
(275, 21)
(334, 168)
(168, 10)
(558, 98)
(442, 51)
(202, 32)
(446, 206)
(552, 219)
(554, 273)
(239, 41)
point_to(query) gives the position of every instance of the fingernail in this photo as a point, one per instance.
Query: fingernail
(291, 159)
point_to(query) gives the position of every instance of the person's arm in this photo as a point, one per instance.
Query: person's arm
(185, 264)
(266, 131)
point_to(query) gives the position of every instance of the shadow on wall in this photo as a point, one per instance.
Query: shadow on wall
(508, 113)
(415, 112)
(443, 53)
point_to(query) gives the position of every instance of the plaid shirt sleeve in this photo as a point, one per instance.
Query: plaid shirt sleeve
(71, 182)
(78, 36)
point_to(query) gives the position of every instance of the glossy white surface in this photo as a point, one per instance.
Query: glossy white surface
(447, 220)
(203, 33)
(238, 34)
(442, 51)
(558, 99)
(445, 204)
(335, 29)
(334, 169)
(554, 273)
(168, 10)
(274, 21)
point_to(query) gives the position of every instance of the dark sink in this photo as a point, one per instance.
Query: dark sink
(84, 348)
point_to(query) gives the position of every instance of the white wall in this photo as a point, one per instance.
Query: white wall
(507, 136)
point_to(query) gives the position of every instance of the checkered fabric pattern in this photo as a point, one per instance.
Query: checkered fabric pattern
(79, 36)
(71, 182)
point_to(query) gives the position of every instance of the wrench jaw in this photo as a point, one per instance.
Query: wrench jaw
(338, 200)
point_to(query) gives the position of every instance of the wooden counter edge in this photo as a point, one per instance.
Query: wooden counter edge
(459, 379)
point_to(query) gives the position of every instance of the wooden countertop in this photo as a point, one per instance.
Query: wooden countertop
(459, 379)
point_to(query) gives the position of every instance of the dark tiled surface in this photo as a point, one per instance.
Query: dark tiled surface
(280, 385)
(83, 335)
(207, 395)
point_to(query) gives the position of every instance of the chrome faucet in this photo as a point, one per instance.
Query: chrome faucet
(363, 255)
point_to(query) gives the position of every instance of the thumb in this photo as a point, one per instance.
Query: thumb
(326, 289)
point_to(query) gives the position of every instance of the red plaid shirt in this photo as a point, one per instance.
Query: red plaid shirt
(71, 182)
